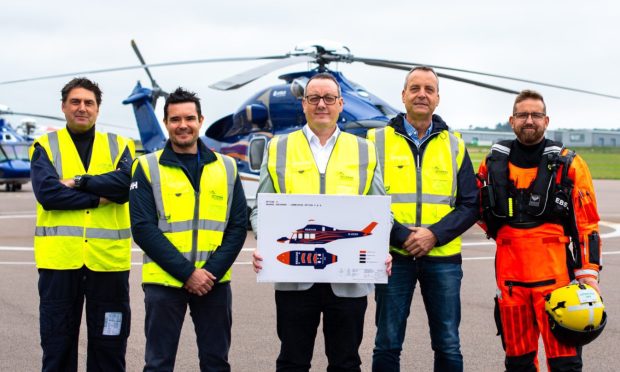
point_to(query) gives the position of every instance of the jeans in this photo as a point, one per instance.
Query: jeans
(165, 313)
(440, 284)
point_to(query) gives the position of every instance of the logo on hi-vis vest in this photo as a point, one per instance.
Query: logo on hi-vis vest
(133, 185)
(345, 177)
(215, 196)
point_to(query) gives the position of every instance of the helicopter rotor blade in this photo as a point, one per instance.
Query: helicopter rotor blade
(33, 115)
(239, 80)
(379, 63)
(136, 67)
(134, 46)
(394, 64)
(157, 91)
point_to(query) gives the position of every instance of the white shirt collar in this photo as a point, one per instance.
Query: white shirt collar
(314, 139)
(320, 153)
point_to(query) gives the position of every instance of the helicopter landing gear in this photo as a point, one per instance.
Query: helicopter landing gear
(12, 187)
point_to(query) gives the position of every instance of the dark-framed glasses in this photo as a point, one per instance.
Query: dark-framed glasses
(524, 115)
(328, 99)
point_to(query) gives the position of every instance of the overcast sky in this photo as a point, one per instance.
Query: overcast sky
(571, 43)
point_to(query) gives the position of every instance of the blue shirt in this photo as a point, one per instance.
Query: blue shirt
(413, 133)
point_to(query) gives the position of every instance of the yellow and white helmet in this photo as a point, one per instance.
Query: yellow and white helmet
(576, 314)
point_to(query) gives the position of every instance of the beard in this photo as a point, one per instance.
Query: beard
(184, 143)
(530, 135)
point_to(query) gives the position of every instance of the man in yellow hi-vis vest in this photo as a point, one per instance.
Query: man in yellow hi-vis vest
(189, 216)
(312, 160)
(80, 178)
(429, 175)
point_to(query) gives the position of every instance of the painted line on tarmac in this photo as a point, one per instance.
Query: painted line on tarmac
(13, 216)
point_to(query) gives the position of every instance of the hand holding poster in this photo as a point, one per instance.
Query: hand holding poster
(323, 238)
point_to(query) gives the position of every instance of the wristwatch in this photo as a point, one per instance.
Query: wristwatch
(79, 181)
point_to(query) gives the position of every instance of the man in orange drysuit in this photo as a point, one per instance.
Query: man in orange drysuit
(532, 189)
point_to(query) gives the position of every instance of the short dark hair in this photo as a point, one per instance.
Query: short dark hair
(529, 94)
(81, 82)
(422, 68)
(181, 95)
(324, 76)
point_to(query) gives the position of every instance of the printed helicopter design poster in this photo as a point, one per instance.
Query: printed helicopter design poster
(323, 238)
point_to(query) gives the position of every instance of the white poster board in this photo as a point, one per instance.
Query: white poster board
(323, 238)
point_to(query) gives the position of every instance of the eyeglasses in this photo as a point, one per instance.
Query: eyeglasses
(314, 100)
(524, 115)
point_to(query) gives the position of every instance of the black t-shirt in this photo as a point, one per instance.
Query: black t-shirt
(84, 144)
(190, 162)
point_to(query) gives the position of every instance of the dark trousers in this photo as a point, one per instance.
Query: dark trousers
(298, 316)
(108, 318)
(165, 313)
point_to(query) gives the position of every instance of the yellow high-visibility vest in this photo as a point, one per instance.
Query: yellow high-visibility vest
(349, 170)
(422, 194)
(99, 238)
(194, 222)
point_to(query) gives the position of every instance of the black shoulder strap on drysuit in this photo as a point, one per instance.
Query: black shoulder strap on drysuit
(497, 178)
(570, 222)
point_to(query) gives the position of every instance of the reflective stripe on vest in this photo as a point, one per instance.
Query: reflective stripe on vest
(55, 149)
(191, 222)
(345, 174)
(100, 237)
(79, 231)
(422, 195)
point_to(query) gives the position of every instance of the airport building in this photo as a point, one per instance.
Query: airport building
(569, 137)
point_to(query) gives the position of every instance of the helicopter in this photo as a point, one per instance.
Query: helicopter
(14, 144)
(276, 110)
(321, 234)
(319, 258)
(245, 133)
(14, 163)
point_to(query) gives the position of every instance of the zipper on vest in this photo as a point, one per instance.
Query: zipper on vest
(418, 155)
(418, 179)
(195, 227)
(322, 182)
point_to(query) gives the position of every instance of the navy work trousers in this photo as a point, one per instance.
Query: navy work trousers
(108, 318)
(298, 317)
(165, 313)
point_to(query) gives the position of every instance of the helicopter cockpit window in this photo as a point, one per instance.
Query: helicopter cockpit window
(297, 87)
(14, 152)
(2, 154)
(256, 149)
(21, 152)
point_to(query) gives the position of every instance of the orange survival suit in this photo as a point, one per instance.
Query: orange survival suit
(534, 211)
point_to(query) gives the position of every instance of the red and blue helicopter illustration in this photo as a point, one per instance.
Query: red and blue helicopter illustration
(319, 258)
(321, 234)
